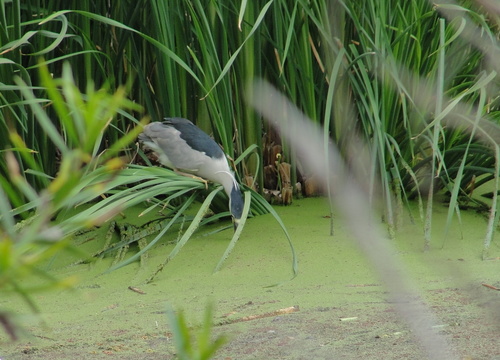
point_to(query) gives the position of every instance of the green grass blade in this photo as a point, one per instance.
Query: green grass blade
(137, 255)
(233, 57)
(194, 225)
(237, 233)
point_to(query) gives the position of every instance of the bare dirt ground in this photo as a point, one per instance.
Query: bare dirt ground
(334, 309)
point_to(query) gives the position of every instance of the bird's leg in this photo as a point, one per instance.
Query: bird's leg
(177, 171)
(231, 162)
(202, 180)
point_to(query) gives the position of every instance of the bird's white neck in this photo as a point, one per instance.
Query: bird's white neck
(228, 181)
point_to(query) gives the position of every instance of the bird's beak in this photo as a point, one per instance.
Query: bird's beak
(236, 223)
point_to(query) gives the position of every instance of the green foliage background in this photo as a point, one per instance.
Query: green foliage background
(196, 58)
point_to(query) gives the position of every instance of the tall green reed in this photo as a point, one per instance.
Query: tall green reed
(340, 62)
(404, 128)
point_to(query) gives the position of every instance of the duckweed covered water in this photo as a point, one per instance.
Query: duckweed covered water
(343, 310)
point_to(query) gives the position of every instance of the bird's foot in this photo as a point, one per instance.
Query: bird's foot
(193, 177)
(202, 180)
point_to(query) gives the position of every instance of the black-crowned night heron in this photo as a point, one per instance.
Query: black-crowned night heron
(181, 145)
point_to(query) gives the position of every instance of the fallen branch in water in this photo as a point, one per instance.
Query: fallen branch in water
(287, 310)
(491, 287)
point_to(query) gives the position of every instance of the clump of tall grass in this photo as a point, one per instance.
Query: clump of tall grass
(422, 95)
(77, 134)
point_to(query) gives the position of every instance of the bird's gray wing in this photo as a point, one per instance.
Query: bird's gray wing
(171, 148)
